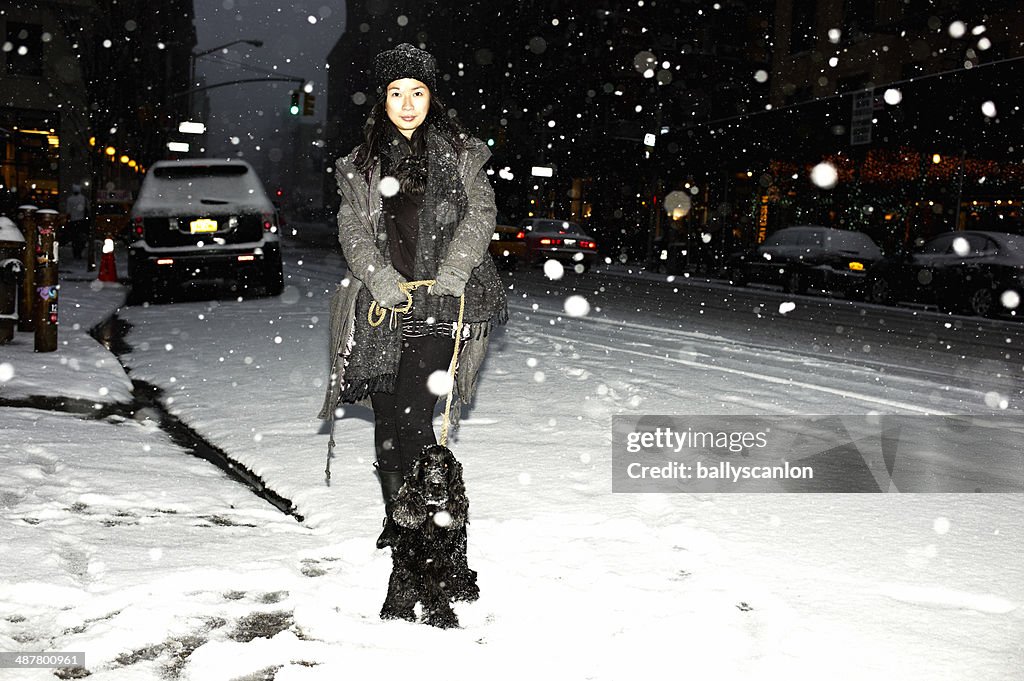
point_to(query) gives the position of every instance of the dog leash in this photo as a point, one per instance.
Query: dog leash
(380, 313)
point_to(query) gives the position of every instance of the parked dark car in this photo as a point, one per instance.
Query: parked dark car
(548, 239)
(508, 246)
(799, 258)
(967, 272)
(204, 221)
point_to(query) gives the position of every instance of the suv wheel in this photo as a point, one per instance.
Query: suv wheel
(795, 282)
(979, 302)
(273, 282)
(737, 275)
(879, 291)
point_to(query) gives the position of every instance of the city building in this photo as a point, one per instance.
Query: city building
(90, 90)
(915, 104)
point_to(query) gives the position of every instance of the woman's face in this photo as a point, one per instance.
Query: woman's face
(407, 101)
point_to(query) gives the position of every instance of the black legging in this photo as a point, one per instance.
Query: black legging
(403, 420)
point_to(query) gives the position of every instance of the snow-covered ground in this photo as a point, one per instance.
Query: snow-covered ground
(155, 564)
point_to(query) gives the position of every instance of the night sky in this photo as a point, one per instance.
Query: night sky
(293, 45)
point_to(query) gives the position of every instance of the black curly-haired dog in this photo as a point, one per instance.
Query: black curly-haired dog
(428, 555)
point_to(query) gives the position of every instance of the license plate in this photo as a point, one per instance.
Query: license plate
(202, 225)
(569, 242)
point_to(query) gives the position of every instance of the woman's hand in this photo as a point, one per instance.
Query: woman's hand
(384, 287)
(449, 282)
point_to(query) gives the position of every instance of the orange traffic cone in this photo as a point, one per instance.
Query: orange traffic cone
(108, 266)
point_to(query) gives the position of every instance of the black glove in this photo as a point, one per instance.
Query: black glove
(449, 282)
(384, 287)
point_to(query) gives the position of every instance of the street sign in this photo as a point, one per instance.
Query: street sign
(861, 117)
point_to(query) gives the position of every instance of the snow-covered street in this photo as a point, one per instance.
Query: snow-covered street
(156, 564)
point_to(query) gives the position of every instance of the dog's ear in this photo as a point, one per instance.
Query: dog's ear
(415, 473)
(409, 510)
(458, 504)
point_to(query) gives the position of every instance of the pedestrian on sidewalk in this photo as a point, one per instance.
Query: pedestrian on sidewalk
(416, 205)
(78, 220)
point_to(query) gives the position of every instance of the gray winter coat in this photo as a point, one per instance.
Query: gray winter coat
(359, 228)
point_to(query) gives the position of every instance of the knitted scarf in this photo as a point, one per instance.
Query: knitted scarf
(372, 354)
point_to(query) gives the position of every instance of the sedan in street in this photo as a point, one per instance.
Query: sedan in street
(976, 273)
(548, 239)
(811, 256)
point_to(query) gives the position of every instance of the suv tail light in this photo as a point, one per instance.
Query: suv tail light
(550, 242)
(269, 222)
(588, 244)
(520, 235)
(137, 227)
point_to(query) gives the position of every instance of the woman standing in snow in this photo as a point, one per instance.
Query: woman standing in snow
(416, 205)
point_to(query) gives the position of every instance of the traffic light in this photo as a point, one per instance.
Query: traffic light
(294, 108)
(308, 105)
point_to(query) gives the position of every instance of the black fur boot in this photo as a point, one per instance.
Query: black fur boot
(390, 483)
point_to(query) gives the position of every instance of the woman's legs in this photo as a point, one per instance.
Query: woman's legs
(403, 420)
(385, 434)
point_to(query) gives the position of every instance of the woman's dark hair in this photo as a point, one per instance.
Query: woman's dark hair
(376, 130)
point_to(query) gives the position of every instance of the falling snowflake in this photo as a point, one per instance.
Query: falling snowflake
(439, 383)
(994, 400)
(824, 175)
(677, 204)
(6, 372)
(554, 270)
(577, 306)
(389, 186)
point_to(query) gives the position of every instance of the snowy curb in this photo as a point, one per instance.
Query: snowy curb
(80, 368)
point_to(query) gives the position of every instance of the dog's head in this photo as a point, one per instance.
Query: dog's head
(435, 470)
(434, 484)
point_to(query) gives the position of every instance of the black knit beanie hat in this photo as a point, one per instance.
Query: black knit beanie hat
(405, 61)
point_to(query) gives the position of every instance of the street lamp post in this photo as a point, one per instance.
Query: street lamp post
(195, 55)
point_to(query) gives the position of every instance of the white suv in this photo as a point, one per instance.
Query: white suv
(204, 220)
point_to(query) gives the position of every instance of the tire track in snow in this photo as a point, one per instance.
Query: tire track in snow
(844, 393)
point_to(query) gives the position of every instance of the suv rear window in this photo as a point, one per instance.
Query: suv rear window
(553, 226)
(855, 242)
(187, 171)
